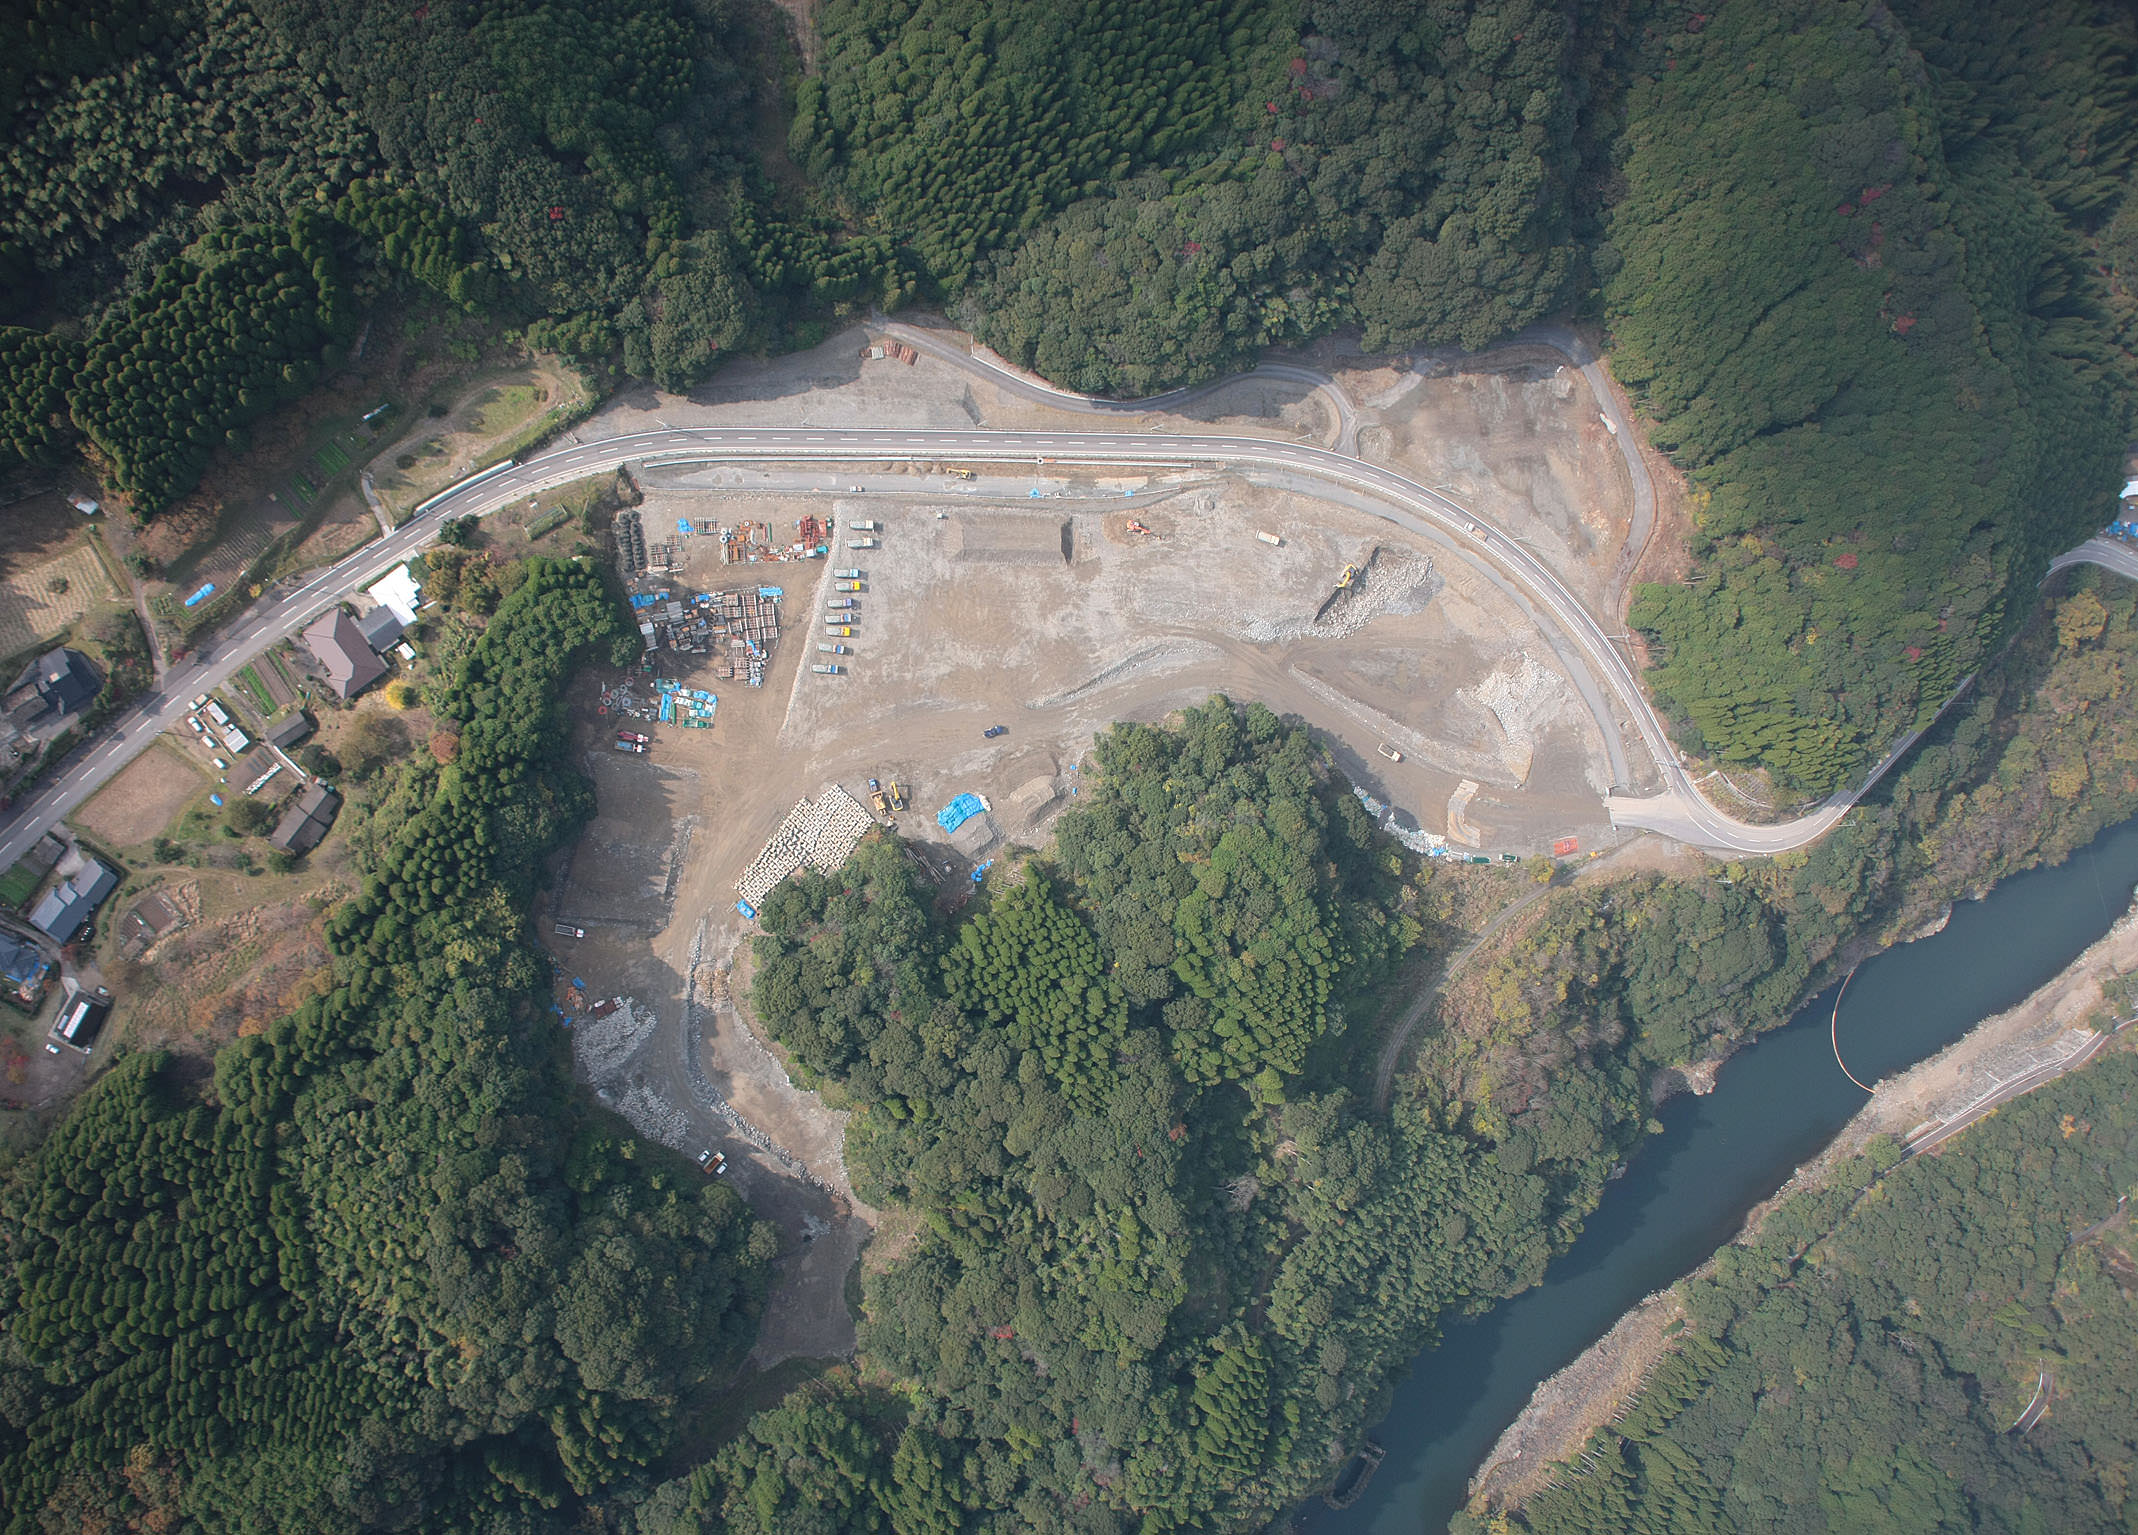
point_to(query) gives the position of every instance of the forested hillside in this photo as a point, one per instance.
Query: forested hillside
(1165, 1259)
(378, 1271)
(1862, 1363)
(1847, 277)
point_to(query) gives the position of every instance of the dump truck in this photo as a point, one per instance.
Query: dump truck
(846, 586)
(1390, 752)
(862, 543)
(831, 649)
(862, 526)
(840, 630)
(841, 602)
(847, 575)
(824, 670)
(630, 746)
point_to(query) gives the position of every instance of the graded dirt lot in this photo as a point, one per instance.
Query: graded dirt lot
(137, 805)
(1051, 601)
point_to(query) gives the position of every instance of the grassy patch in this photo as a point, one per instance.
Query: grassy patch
(18, 885)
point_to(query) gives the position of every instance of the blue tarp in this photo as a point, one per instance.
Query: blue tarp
(774, 592)
(959, 811)
(201, 596)
(642, 602)
(747, 910)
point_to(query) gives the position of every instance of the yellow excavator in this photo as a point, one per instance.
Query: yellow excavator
(1351, 574)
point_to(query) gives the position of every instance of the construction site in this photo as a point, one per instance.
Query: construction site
(934, 646)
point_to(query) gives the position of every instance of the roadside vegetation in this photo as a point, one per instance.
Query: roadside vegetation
(1863, 1361)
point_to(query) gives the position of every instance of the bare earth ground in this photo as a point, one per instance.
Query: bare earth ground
(1595, 1388)
(1052, 617)
(138, 804)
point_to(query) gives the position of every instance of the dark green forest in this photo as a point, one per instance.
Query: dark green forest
(1868, 269)
(1860, 1364)
(377, 1270)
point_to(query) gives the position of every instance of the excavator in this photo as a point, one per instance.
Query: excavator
(1351, 574)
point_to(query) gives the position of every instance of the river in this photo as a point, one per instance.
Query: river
(1688, 1189)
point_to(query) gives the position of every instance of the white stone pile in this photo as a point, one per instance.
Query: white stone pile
(821, 833)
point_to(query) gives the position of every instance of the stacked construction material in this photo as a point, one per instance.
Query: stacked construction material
(821, 833)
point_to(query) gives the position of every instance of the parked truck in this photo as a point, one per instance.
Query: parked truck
(847, 586)
(842, 602)
(862, 543)
(1271, 539)
(831, 649)
(843, 631)
(862, 526)
(847, 575)
(823, 669)
(629, 746)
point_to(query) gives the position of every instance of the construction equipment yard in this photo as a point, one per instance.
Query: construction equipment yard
(921, 607)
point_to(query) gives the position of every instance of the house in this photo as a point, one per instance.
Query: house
(23, 966)
(74, 900)
(398, 593)
(341, 648)
(380, 628)
(285, 733)
(59, 681)
(306, 820)
(81, 1017)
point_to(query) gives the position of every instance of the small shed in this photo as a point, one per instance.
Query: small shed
(287, 732)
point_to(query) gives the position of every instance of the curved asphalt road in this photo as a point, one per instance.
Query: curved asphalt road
(1680, 811)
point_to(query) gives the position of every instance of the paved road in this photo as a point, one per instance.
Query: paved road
(1680, 811)
(2018, 1087)
(2108, 553)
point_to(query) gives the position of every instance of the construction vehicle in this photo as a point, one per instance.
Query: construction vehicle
(1137, 527)
(824, 670)
(842, 602)
(961, 474)
(880, 800)
(862, 543)
(629, 746)
(1390, 752)
(898, 795)
(863, 526)
(634, 736)
(847, 586)
(566, 930)
(1351, 574)
(831, 649)
(715, 1163)
(847, 575)
(841, 630)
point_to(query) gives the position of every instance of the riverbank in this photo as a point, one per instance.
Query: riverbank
(2056, 1028)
